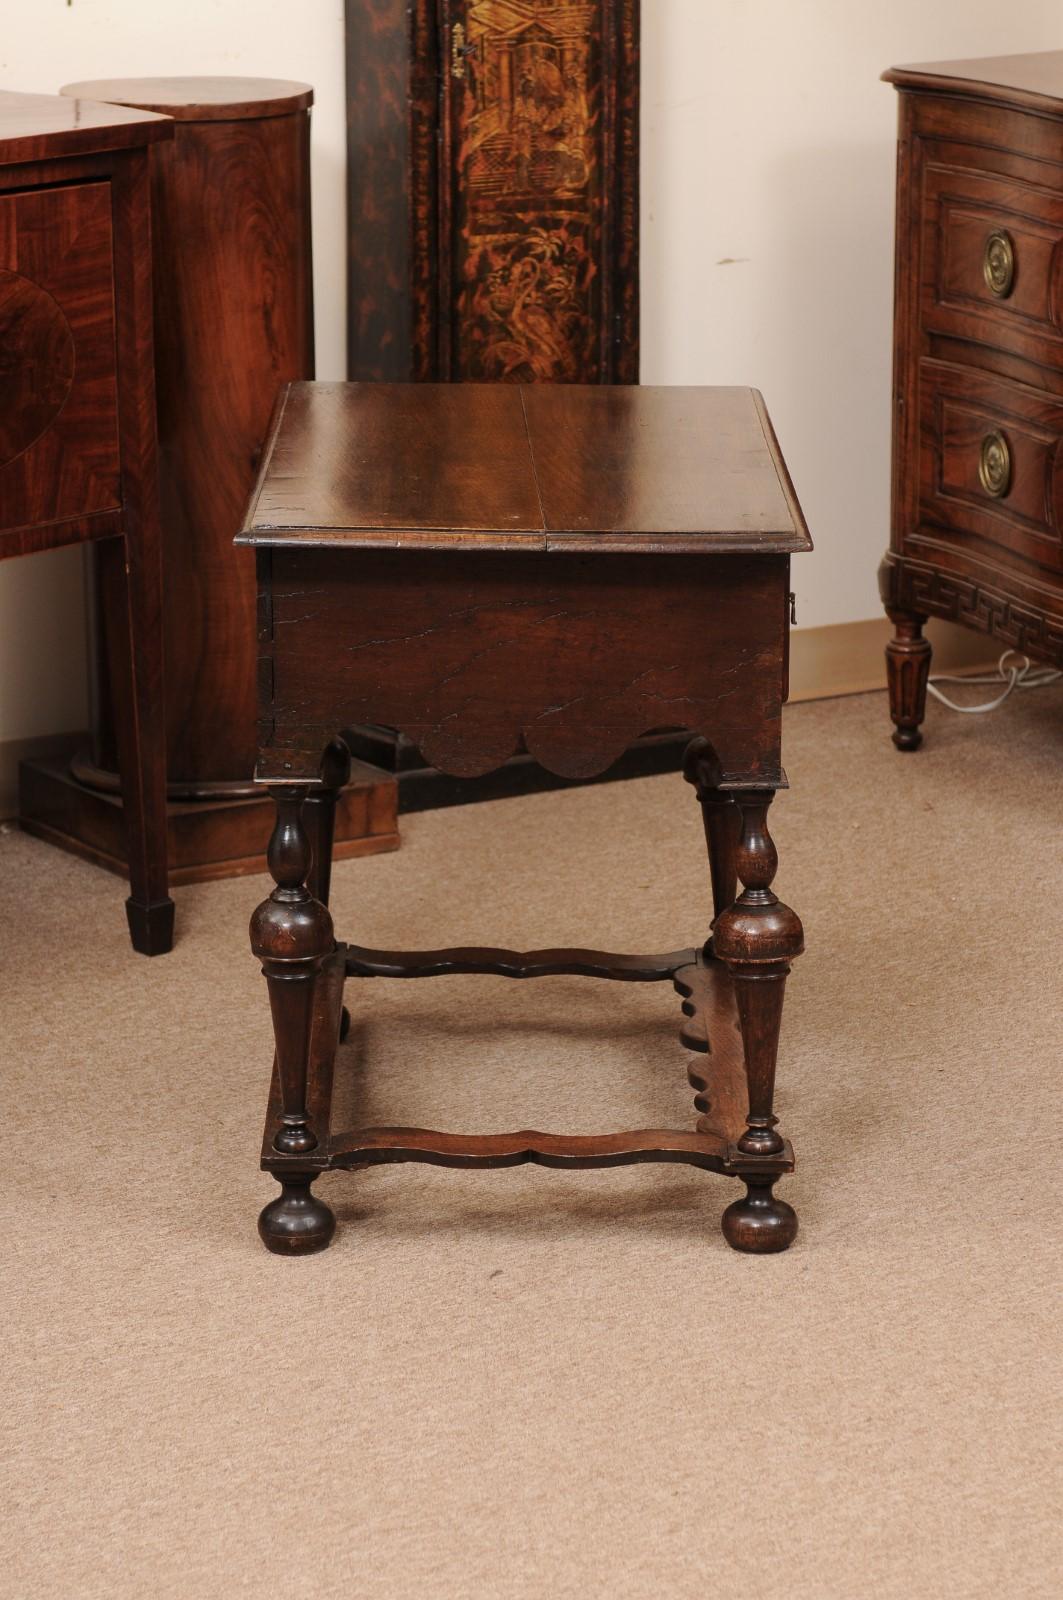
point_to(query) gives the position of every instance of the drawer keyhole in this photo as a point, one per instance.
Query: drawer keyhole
(998, 263)
(994, 465)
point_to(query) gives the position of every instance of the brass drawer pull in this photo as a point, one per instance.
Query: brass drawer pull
(994, 465)
(998, 263)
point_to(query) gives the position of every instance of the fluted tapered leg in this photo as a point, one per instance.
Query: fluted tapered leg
(908, 657)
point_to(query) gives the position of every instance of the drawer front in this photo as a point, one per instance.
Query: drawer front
(992, 266)
(58, 388)
(991, 465)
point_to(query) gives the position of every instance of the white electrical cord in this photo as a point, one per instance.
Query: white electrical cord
(1023, 676)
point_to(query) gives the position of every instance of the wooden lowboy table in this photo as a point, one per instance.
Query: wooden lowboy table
(575, 566)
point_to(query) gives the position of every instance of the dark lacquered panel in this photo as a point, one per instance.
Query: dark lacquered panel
(542, 167)
(493, 189)
(395, 457)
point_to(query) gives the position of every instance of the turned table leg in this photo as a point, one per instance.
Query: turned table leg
(319, 817)
(722, 820)
(291, 933)
(907, 670)
(319, 821)
(758, 937)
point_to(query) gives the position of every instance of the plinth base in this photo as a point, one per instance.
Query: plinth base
(207, 838)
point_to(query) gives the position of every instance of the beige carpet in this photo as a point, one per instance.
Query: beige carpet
(540, 1384)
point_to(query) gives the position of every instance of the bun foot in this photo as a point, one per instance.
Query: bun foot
(297, 1222)
(907, 738)
(759, 1224)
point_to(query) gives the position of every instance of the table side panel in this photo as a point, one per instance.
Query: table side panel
(575, 654)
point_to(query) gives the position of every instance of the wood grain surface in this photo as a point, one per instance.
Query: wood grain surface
(200, 99)
(46, 127)
(233, 322)
(1034, 81)
(531, 467)
(576, 656)
(536, 200)
(58, 372)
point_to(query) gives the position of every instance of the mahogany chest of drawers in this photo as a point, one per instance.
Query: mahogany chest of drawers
(977, 523)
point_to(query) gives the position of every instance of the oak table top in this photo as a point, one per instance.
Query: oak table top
(513, 467)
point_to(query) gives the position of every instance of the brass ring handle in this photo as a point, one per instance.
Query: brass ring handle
(994, 465)
(998, 263)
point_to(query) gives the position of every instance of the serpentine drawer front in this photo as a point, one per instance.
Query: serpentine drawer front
(995, 261)
(992, 462)
(58, 386)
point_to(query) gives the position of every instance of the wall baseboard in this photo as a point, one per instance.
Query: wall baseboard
(849, 657)
(846, 658)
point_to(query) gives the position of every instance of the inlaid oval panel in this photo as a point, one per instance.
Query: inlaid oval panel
(36, 362)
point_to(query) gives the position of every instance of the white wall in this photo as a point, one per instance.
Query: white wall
(767, 143)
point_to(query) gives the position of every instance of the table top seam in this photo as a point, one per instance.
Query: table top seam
(531, 459)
